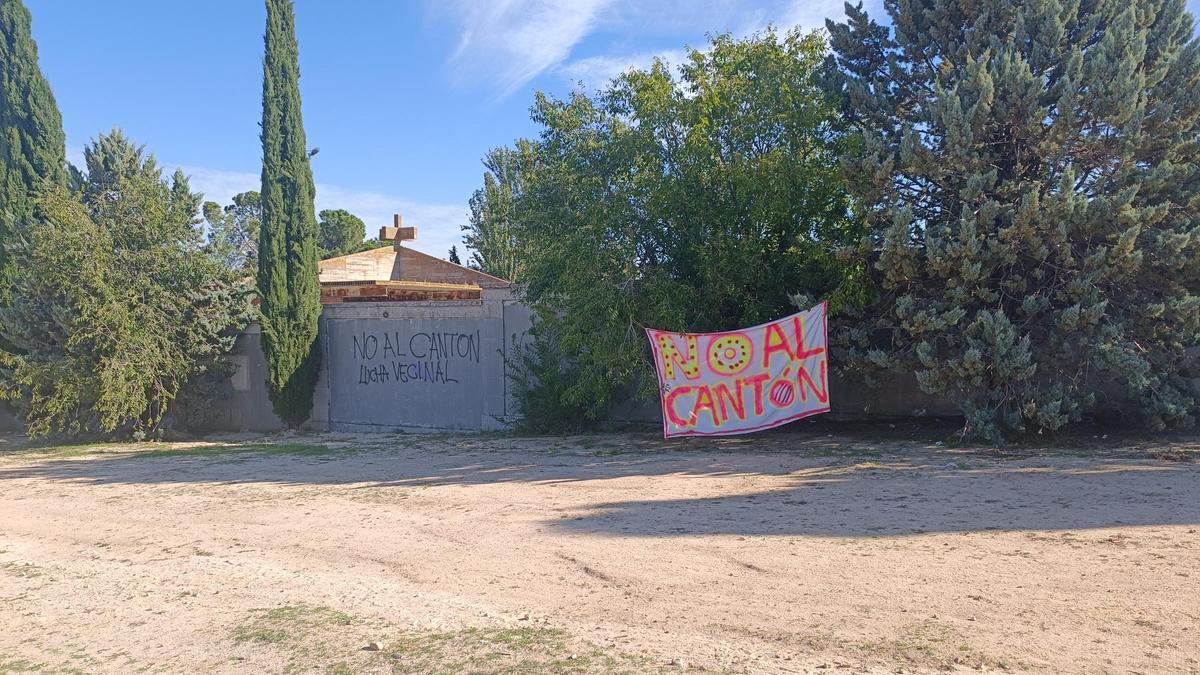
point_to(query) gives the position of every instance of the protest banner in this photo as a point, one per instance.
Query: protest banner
(737, 382)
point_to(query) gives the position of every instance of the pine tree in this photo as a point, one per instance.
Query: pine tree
(289, 289)
(1029, 175)
(233, 230)
(32, 143)
(454, 256)
(341, 232)
(111, 158)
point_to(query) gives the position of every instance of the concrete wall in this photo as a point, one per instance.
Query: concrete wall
(850, 398)
(238, 404)
(8, 418)
(418, 365)
(389, 366)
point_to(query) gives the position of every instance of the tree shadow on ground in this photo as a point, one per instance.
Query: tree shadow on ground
(905, 499)
(785, 486)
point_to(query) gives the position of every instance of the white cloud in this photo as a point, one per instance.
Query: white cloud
(811, 14)
(597, 71)
(509, 42)
(220, 186)
(437, 224)
(741, 20)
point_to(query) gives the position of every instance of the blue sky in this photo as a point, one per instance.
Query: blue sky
(403, 98)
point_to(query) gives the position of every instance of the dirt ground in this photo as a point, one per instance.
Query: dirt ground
(772, 554)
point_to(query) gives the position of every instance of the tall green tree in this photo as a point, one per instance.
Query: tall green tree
(1030, 181)
(32, 150)
(342, 232)
(113, 158)
(113, 161)
(233, 230)
(290, 293)
(491, 232)
(694, 202)
(116, 304)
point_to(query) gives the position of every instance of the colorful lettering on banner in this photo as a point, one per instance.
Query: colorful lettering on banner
(715, 384)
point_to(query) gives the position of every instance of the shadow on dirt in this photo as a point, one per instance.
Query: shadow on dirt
(798, 485)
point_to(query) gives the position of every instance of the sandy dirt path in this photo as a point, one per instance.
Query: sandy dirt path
(782, 554)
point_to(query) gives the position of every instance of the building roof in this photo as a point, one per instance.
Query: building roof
(398, 273)
(335, 292)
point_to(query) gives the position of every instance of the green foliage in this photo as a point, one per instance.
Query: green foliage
(116, 304)
(1030, 182)
(289, 290)
(113, 158)
(369, 244)
(542, 377)
(32, 152)
(453, 257)
(693, 203)
(491, 232)
(233, 230)
(342, 232)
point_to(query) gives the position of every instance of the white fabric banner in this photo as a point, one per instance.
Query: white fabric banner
(736, 382)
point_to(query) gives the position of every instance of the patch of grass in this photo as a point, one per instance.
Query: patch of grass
(930, 644)
(315, 638)
(374, 495)
(917, 643)
(13, 665)
(22, 570)
(71, 450)
(1147, 623)
(168, 450)
(1175, 455)
(227, 449)
(813, 639)
(505, 650)
(291, 623)
(9, 664)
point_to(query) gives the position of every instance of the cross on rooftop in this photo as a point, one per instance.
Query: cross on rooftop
(397, 232)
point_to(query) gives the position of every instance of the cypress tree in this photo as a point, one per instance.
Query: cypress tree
(32, 143)
(1030, 177)
(289, 289)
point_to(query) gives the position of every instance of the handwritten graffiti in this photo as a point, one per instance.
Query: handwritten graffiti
(421, 357)
(743, 381)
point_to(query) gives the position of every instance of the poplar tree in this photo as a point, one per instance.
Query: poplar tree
(288, 285)
(491, 233)
(1029, 179)
(32, 144)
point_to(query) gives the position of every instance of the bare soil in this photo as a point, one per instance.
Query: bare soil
(624, 553)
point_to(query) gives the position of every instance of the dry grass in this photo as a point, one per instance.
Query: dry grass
(321, 639)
